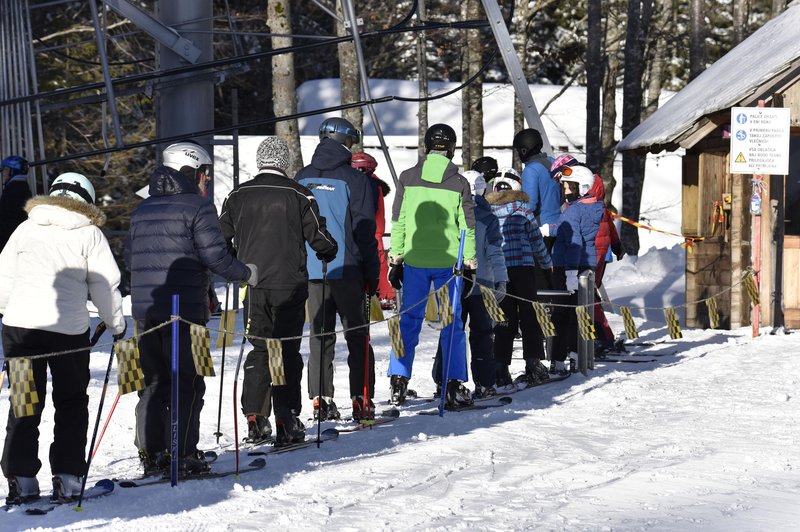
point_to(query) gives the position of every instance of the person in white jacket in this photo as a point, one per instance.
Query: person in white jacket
(53, 263)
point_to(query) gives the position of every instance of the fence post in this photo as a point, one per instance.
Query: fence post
(586, 297)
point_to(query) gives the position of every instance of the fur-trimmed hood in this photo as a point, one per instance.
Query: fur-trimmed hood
(48, 210)
(506, 196)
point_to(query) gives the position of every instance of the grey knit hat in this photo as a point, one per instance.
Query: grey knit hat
(272, 153)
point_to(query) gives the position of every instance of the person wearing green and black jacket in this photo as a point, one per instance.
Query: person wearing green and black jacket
(432, 205)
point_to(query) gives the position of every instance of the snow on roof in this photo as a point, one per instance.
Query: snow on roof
(729, 82)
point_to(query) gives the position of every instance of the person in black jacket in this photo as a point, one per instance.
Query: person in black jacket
(16, 192)
(269, 220)
(346, 199)
(174, 240)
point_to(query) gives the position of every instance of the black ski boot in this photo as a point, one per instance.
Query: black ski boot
(399, 386)
(325, 409)
(483, 392)
(22, 490)
(289, 429)
(502, 378)
(258, 430)
(154, 463)
(363, 411)
(193, 464)
(457, 395)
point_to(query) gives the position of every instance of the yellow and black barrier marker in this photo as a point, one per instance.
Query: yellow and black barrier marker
(750, 284)
(24, 397)
(129, 372)
(393, 324)
(375, 310)
(585, 324)
(673, 325)
(445, 310)
(543, 317)
(431, 308)
(201, 350)
(275, 361)
(713, 315)
(490, 302)
(627, 321)
(227, 323)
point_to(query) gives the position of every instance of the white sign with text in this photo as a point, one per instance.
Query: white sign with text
(760, 140)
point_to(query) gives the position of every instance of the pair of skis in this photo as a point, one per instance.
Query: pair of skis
(43, 506)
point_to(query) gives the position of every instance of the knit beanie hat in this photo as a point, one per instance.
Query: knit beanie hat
(272, 153)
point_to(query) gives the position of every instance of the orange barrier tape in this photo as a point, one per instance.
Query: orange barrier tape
(688, 243)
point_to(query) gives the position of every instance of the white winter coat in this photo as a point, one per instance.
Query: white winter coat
(53, 263)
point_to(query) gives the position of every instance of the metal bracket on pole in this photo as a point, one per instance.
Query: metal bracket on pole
(158, 31)
(350, 14)
(501, 35)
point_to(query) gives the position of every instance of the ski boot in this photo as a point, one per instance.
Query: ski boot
(258, 430)
(325, 409)
(558, 367)
(193, 464)
(362, 411)
(483, 392)
(535, 373)
(66, 487)
(399, 386)
(457, 395)
(503, 380)
(155, 463)
(22, 490)
(289, 429)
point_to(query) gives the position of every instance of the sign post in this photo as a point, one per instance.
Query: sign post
(759, 146)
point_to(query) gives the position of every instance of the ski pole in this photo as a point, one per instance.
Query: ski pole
(78, 508)
(455, 300)
(367, 320)
(222, 367)
(174, 406)
(105, 425)
(235, 386)
(323, 343)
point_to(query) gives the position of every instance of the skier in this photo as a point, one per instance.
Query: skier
(491, 273)
(16, 192)
(366, 163)
(51, 263)
(574, 252)
(487, 166)
(174, 240)
(544, 195)
(432, 205)
(346, 199)
(524, 249)
(272, 208)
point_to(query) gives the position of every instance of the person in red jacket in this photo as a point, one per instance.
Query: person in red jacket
(607, 236)
(367, 164)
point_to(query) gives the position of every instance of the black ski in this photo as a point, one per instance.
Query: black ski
(484, 405)
(43, 506)
(326, 435)
(387, 416)
(255, 465)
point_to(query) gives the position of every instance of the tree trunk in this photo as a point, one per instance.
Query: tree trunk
(777, 7)
(594, 81)
(697, 38)
(740, 8)
(350, 88)
(639, 14)
(609, 122)
(422, 72)
(522, 14)
(472, 101)
(658, 62)
(284, 100)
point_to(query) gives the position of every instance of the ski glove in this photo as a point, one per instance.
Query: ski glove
(396, 276)
(327, 257)
(572, 280)
(500, 291)
(471, 264)
(253, 279)
(120, 336)
(544, 229)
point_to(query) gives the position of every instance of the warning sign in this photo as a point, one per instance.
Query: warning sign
(760, 140)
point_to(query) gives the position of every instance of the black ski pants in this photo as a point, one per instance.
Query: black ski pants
(70, 376)
(520, 316)
(274, 313)
(153, 417)
(481, 342)
(345, 297)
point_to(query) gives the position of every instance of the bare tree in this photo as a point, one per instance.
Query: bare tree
(656, 66)
(740, 10)
(522, 14)
(472, 100)
(777, 7)
(613, 33)
(284, 100)
(639, 15)
(594, 81)
(350, 88)
(422, 72)
(697, 38)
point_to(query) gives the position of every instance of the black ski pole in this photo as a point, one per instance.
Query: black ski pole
(323, 343)
(224, 325)
(236, 382)
(96, 425)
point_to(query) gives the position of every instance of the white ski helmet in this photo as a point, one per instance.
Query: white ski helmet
(580, 175)
(181, 154)
(73, 185)
(477, 184)
(507, 179)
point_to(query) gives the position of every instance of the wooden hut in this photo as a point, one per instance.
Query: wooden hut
(715, 203)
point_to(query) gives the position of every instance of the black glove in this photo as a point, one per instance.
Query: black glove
(618, 250)
(396, 276)
(327, 257)
(370, 286)
(120, 336)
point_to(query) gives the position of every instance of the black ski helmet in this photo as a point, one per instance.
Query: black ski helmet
(528, 142)
(339, 130)
(440, 137)
(487, 166)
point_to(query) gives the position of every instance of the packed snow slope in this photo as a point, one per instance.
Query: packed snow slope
(704, 437)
